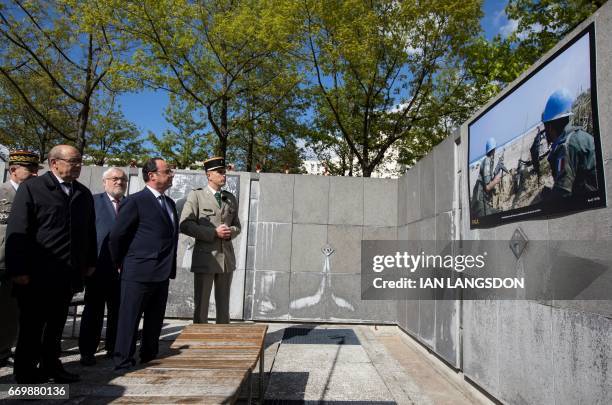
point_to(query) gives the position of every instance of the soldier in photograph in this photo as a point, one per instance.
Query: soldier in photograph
(572, 150)
(489, 176)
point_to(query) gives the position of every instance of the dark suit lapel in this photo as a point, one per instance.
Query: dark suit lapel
(155, 201)
(110, 210)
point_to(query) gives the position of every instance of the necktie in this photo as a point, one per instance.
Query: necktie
(116, 206)
(67, 188)
(218, 198)
(164, 205)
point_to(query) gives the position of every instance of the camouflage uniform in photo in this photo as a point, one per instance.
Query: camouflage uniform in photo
(572, 162)
(200, 216)
(482, 201)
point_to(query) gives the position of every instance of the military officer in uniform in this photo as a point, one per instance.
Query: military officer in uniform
(23, 164)
(488, 179)
(572, 150)
(210, 215)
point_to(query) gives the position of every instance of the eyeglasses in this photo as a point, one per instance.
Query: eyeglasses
(72, 162)
(116, 179)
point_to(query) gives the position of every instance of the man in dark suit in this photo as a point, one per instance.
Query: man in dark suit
(102, 288)
(50, 246)
(143, 242)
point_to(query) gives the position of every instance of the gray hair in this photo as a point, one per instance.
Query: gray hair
(112, 169)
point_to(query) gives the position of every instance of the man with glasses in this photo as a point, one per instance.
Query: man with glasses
(210, 215)
(50, 246)
(102, 287)
(23, 165)
(143, 243)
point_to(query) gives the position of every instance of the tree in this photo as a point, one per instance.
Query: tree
(386, 71)
(541, 24)
(205, 52)
(67, 45)
(189, 145)
(113, 139)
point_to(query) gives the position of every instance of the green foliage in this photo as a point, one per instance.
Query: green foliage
(216, 55)
(68, 48)
(113, 140)
(389, 71)
(189, 145)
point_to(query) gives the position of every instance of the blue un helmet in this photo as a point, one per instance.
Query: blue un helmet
(491, 144)
(559, 105)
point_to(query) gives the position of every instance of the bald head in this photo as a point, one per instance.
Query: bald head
(65, 162)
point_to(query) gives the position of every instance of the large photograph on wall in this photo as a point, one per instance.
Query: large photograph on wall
(536, 152)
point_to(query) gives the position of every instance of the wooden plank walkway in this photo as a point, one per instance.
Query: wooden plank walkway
(211, 365)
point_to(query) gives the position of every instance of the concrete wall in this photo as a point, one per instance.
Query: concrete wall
(293, 219)
(556, 351)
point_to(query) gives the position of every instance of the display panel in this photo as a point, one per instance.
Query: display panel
(537, 151)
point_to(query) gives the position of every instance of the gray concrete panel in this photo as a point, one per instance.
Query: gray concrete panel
(443, 156)
(254, 194)
(85, 176)
(380, 202)
(273, 249)
(428, 229)
(427, 190)
(180, 295)
(402, 232)
(306, 244)
(402, 200)
(444, 226)
(311, 199)
(95, 179)
(379, 233)
(481, 344)
(582, 354)
(603, 46)
(276, 197)
(252, 233)
(254, 208)
(412, 316)
(250, 260)
(346, 200)
(525, 351)
(447, 331)
(413, 196)
(343, 299)
(346, 242)
(427, 322)
(271, 295)
(308, 295)
(249, 294)
(402, 312)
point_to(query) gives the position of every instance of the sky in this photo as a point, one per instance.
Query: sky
(522, 109)
(146, 108)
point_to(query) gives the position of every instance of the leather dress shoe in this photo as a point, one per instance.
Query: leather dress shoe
(87, 360)
(64, 377)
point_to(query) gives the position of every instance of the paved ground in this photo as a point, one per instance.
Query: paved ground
(346, 364)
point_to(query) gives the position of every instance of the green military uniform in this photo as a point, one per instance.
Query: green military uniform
(572, 162)
(213, 258)
(482, 201)
(9, 312)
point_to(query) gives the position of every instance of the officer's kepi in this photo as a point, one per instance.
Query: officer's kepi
(214, 163)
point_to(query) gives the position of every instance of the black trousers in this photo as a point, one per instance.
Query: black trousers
(140, 299)
(43, 308)
(100, 292)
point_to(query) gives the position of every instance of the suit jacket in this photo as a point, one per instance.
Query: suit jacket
(105, 219)
(51, 235)
(7, 195)
(144, 239)
(200, 217)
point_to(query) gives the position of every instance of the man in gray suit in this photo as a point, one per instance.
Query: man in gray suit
(210, 215)
(23, 164)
